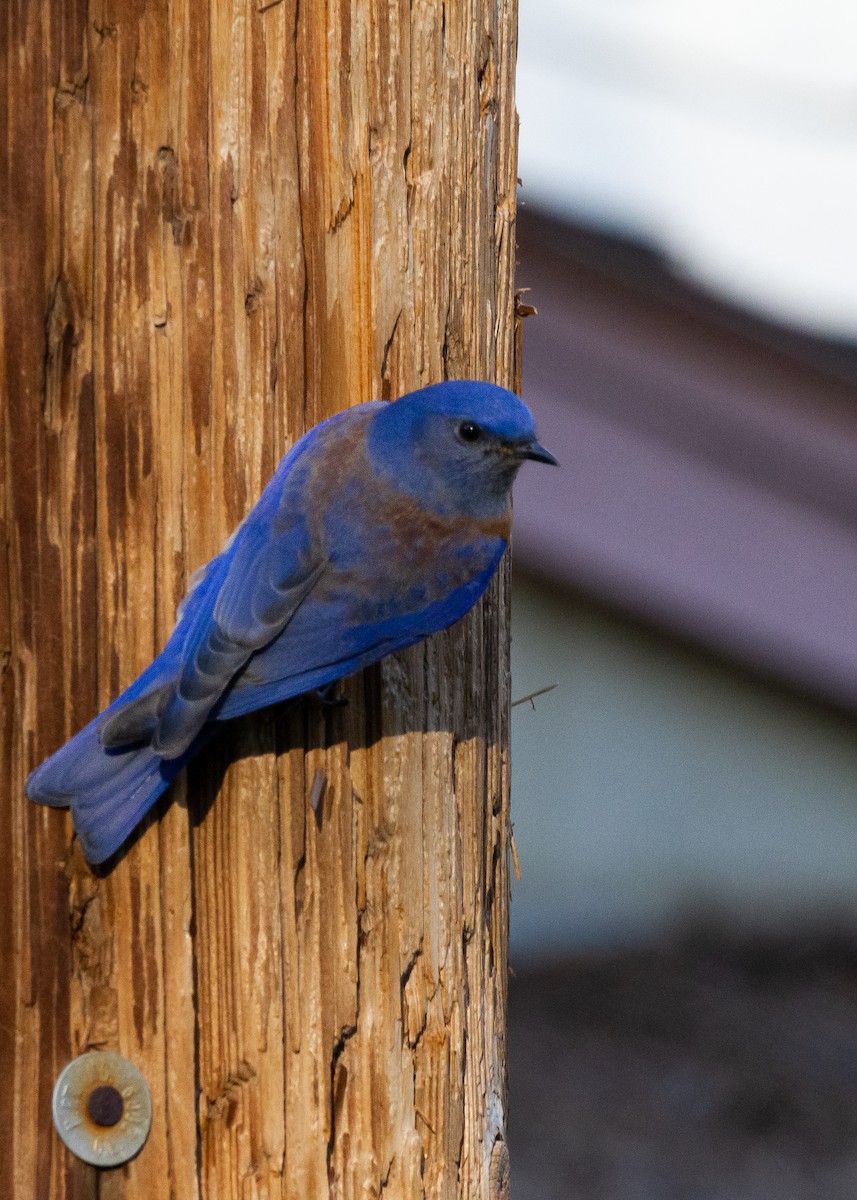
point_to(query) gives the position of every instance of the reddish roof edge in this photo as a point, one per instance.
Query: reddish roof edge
(708, 481)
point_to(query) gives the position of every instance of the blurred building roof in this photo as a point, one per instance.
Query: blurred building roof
(709, 461)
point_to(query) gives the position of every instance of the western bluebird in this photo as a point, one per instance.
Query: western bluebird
(381, 526)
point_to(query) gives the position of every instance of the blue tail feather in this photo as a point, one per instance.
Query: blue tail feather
(109, 791)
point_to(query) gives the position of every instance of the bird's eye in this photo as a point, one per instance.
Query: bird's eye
(469, 432)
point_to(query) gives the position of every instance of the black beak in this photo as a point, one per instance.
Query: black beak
(538, 454)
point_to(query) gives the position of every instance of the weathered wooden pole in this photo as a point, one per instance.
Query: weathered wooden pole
(219, 224)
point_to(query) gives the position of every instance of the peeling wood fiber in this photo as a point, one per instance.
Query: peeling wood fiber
(221, 222)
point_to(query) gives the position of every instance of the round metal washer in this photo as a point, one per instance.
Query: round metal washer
(102, 1072)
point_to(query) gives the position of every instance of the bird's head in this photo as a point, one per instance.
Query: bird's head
(457, 446)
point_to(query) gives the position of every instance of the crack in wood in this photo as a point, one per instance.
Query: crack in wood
(388, 345)
(223, 1105)
(171, 210)
(74, 93)
(338, 1085)
(343, 211)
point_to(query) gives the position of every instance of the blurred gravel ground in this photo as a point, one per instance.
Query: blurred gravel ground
(708, 1070)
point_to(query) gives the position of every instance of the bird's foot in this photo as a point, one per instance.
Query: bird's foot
(327, 698)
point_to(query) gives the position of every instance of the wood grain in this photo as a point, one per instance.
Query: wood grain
(221, 223)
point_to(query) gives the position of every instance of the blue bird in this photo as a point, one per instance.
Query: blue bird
(382, 525)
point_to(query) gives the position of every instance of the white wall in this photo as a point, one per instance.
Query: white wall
(655, 784)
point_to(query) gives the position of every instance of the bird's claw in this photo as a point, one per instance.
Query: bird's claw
(327, 698)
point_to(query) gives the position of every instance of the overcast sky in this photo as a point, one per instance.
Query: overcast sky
(726, 133)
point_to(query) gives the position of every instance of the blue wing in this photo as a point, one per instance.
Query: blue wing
(323, 642)
(245, 601)
(111, 773)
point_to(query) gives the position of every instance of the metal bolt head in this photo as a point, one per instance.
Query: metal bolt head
(105, 1105)
(102, 1108)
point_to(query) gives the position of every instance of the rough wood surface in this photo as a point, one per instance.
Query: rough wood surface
(221, 222)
